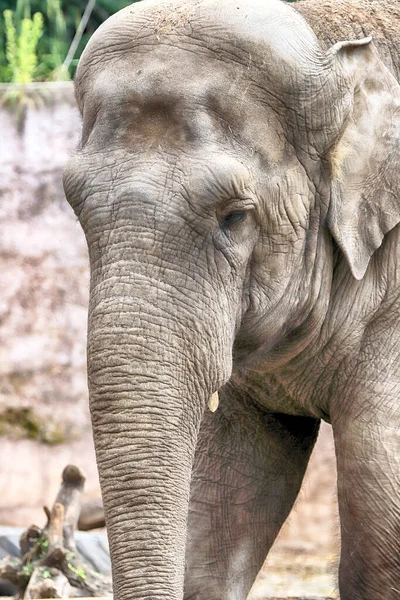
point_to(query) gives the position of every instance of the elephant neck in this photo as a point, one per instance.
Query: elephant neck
(279, 354)
(299, 375)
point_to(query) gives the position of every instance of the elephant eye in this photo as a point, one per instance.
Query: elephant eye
(232, 218)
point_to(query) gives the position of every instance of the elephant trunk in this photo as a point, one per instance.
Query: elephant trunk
(147, 398)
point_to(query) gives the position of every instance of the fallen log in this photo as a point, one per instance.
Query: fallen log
(49, 565)
(92, 515)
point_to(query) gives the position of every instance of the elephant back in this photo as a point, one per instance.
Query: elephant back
(337, 20)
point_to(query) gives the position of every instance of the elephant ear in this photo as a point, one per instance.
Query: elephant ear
(365, 163)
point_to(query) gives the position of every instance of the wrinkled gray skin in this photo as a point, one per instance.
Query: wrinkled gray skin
(239, 190)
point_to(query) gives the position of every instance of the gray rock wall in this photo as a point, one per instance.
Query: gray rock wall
(44, 421)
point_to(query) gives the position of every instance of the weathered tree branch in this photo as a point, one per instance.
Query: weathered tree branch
(50, 566)
(69, 495)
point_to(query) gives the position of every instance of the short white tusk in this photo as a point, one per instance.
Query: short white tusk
(213, 402)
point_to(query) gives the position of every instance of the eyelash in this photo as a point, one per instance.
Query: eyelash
(236, 216)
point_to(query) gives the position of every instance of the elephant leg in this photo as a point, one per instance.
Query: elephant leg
(365, 415)
(368, 458)
(248, 469)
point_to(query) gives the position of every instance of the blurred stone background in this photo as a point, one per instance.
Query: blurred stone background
(44, 419)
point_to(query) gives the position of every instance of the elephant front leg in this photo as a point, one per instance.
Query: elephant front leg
(368, 456)
(248, 470)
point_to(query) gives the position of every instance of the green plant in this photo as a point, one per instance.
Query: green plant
(21, 62)
(78, 571)
(45, 573)
(44, 543)
(28, 569)
(61, 19)
(21, 47)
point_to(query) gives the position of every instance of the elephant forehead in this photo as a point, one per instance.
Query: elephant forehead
(266, 38)
(142, 102)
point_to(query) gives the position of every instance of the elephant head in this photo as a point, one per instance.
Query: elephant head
(224, 157)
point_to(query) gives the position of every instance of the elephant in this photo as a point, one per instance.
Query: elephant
(237, 182)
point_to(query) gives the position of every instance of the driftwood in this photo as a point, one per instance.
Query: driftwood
(92, 515)
(50, 566)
